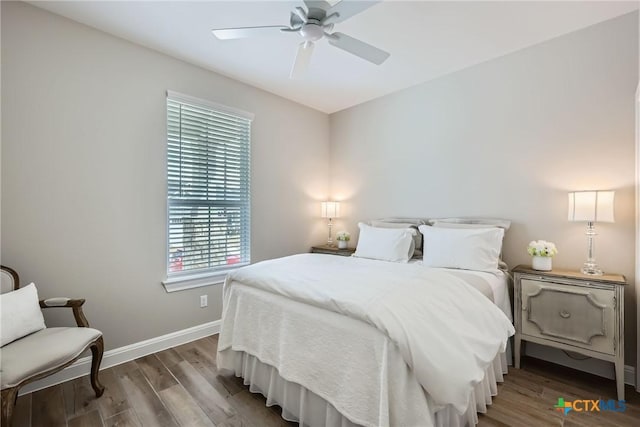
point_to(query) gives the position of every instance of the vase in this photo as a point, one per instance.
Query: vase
(541, 263)
(342, 244)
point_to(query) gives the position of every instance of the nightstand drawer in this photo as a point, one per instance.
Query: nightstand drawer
(575, 315)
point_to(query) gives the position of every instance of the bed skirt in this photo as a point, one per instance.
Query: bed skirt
(307, 408)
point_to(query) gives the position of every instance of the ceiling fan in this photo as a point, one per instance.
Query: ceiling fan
(312, 25)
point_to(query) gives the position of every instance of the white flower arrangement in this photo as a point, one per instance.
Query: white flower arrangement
(542, 248)
(343, 236)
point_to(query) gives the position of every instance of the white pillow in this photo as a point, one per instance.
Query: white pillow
(20, 314)
(386, 244)
(463, 248)
(441, 224)
(381, 223)
(501, 264)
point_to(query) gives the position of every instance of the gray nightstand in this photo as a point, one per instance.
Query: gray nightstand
(332, 250)
(573, 312)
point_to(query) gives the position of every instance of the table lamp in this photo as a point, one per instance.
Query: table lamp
(591, 207)
(330, 210)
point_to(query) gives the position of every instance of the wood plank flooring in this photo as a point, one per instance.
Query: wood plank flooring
(182, 387)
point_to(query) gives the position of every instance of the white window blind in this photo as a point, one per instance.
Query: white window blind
(208, 166)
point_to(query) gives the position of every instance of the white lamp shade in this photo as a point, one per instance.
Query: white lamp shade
(594, 206)
(330, 209)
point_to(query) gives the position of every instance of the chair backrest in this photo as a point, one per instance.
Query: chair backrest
(9, 280)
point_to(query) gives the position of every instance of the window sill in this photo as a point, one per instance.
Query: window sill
(191, 281)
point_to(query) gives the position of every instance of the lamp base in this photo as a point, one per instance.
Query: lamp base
(592, 269)
(330, 239)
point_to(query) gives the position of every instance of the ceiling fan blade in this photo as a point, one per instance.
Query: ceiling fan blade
(300, 13)
(303, 57)
(358, 48)
(318, 4)
(295, 21)
(348, 8)
(240, 33)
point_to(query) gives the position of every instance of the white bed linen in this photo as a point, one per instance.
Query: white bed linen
(446, 332)
(496, 287)
(301, 405)
(498, 282)
(381, 395)
(345, 361)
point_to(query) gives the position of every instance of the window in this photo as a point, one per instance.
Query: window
(208, 153)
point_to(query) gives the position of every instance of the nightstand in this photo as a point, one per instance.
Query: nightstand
(573, 312)
(332, 250)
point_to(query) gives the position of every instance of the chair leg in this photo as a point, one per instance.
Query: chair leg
(97, 349)
(9, 397)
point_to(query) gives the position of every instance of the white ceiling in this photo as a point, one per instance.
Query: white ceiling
(426, 39)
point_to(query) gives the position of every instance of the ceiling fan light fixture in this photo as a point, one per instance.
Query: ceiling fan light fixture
(311, 32)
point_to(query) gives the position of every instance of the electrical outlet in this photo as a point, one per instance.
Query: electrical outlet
(203, 301)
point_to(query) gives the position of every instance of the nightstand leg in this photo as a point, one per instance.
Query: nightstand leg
(516, 351)
(620, 378)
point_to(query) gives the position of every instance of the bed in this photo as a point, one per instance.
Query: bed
(345, 341)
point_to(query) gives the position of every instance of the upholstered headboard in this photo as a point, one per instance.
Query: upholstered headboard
(489, 222)
(9, 280)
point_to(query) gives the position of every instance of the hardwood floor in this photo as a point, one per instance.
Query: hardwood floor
(528, 395)
(181, 387)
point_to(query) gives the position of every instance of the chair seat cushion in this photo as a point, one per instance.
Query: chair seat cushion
(42, 351)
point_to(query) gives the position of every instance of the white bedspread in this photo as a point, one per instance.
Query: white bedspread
(447, 332)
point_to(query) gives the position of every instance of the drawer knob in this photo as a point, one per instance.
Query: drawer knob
(565, 314)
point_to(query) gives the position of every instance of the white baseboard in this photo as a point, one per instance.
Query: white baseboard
(82, 366)
(593, 366)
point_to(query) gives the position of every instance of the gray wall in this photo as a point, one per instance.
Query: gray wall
(507, 138)
(84, 172)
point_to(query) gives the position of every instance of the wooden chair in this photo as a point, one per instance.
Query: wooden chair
(47, 351)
